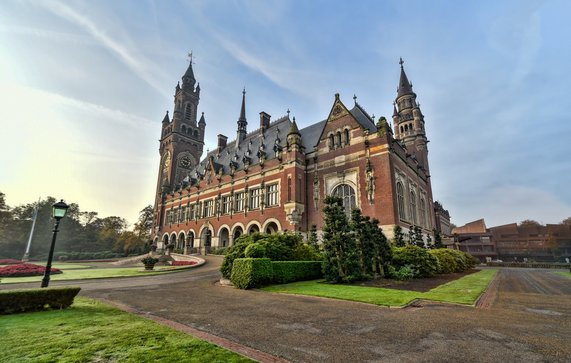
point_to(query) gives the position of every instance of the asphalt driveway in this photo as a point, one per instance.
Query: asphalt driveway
(529, 320)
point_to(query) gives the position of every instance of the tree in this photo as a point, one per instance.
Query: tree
(382, 248)
(438, 240)
(415, 236)
(529, 223)
(339, 248)
(566, 221)
(312, 239)
(362, 235)
(398, 238)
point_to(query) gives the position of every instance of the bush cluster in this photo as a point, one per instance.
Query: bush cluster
(251, 272)
(418, 258)
(290, 271)
(183, 263)
(276, 247)
(9, 261)
(25, 269)
(453, 260)
(18, 301)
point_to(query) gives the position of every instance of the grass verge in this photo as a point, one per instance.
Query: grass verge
(563, 273)
(95, 273)
(465, 290)
(91, 331)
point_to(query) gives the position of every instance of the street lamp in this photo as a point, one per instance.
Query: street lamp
(58, 212)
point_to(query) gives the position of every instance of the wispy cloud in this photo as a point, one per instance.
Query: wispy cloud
(123, 53)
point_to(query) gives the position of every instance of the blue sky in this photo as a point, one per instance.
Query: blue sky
(84, 86)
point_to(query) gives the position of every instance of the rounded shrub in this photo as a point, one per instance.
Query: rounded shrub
(447, 262)
(255, 250)
(418, 258)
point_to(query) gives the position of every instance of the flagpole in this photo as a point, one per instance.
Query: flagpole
(34, 217)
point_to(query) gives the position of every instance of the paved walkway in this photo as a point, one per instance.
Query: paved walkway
(529, 320)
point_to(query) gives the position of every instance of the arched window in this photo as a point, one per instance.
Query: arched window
(339, 139)
(346, 136)
(400, 201)
(422, 213)
(412, 207)
(183, 128)
(331, 142)
(347, 194)
(401, 129)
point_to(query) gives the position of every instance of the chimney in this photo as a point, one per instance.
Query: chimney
(222, 141)
(264, 121)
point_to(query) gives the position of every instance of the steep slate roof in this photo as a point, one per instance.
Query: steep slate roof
(274, 138)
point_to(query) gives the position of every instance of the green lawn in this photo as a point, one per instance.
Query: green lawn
(563, 273)
(465, 290)
(91, 331)
(96, 273)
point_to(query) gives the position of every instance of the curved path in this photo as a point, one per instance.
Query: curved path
(529, 320)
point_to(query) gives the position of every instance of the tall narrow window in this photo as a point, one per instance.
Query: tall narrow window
(346, 136)
(412, 207)
(226, 204)
(298, 189)
(400, 200)
(208, 208)
(347, 194)
(240, 200)
(339, 144)
(255, 198)
(289, 189)
(272, 195)
(422, 213)
(331, 142)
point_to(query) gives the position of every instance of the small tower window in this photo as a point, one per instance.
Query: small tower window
(339, 144)
(346, 136)
(331, 142)
(187, 112)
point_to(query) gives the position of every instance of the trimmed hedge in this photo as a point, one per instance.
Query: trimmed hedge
(19, 301)
(447, 261)
(251, 272)
(290, 271)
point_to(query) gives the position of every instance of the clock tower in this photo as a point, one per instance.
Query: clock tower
(182, 138)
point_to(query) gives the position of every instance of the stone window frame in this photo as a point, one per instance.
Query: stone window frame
(273, 196)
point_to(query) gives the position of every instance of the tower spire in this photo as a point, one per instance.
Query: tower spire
(242, 123)
(405, 87)
(188, 79)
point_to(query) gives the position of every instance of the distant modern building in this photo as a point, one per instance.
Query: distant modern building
(275, 178)
(513, 242)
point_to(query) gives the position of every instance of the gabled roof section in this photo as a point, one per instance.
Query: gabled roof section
(310, 134)
(363, 118)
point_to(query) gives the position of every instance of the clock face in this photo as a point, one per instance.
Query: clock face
(185, 162)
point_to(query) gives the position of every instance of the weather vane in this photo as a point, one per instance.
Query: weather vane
(190, 56)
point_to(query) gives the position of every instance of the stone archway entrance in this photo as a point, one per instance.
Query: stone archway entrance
(271, 228)
(224, 237)
(206, 240)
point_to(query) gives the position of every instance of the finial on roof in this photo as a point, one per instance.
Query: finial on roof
(166, 119)
(373, 117)
(355, 98)
(401, 62)
(288, 112)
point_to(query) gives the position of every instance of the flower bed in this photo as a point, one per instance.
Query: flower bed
(183, 263)
(25, 269)
(9, 261)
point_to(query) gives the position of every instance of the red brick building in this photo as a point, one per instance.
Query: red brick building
(275, 177)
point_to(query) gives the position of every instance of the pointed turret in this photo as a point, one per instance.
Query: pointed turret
(188, 79)
(294, 136)
(395, 112)
(405, 87)
(202, 121)
(166, 120)
(242, 123)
